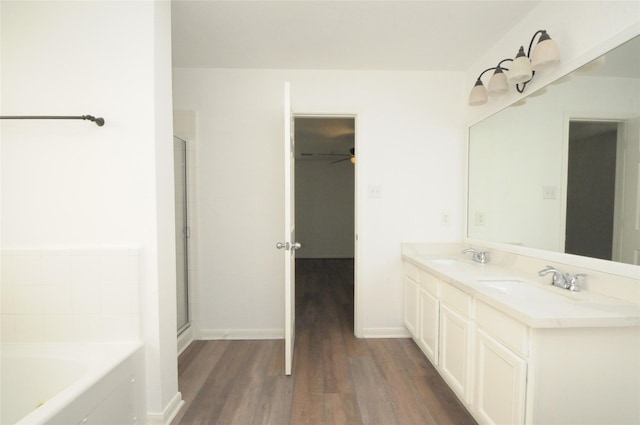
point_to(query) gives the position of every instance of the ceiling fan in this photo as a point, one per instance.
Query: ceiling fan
(350, 157)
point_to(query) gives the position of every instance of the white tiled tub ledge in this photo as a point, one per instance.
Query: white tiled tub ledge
(538, 304)
(70, 295)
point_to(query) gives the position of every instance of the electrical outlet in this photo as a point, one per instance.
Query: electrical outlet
(445, 219)
(480, 219)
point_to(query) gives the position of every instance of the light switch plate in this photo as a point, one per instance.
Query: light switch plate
(548, 192)
(374, 191)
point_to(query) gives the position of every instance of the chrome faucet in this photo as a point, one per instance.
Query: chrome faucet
(573, 282)
(563, 280)
(478, 256)
(559, 278)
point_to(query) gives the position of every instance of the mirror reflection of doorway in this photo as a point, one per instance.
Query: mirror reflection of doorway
(591, 188)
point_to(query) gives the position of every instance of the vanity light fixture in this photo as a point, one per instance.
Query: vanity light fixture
(520, 72)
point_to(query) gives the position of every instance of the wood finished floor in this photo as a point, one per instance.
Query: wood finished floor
(337, 378)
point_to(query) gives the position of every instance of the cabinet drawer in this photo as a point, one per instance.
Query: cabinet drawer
(429, 283)
(410, 271)
(456, 299)
(508, 331)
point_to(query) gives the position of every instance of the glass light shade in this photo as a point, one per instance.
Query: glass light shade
(478, 95)
(520, 70)
(352, 159)
(498, 83)
(546, 53)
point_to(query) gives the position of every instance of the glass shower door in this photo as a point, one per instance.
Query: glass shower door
(182, 233)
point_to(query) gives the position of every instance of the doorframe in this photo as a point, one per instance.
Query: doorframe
(621, 119)
(358, 304)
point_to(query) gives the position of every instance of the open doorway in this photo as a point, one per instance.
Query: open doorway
(592, 176)
(325, 217)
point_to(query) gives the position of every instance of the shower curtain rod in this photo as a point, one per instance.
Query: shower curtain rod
(98, 121)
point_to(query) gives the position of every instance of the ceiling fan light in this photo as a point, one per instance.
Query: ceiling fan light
(520, 70)
(546, 53)
(478, 95)
(498, 83)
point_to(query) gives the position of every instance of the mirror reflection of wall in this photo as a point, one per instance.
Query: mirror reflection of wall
(521, 182)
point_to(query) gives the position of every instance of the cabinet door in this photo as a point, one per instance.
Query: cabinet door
(411, 306)
(429, 316)
(500, 382)
(455, 351)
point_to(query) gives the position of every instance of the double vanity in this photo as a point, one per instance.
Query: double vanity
(516, 348)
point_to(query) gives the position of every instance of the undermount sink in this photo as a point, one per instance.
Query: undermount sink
(445, 261)
(520, 289)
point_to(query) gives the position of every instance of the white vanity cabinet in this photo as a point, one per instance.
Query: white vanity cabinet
(555, 367)
(422, 310)
(456, 340)
(410, 283)
(474, 347)
(500, 369)
(428, 336)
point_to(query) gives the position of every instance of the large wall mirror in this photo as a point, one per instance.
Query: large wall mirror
(558, 171)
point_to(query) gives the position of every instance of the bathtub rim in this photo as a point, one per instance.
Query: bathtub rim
(100, 358)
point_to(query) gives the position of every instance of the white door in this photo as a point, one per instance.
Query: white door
(626, 237)
(289, 245)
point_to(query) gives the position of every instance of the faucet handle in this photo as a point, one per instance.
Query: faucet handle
(483, 257)
(574, 280)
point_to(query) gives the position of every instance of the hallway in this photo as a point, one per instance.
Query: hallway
(337, 378)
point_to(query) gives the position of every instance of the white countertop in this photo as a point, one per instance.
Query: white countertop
(520, 296)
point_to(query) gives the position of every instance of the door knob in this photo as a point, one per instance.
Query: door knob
(296, 245)
(281, 245)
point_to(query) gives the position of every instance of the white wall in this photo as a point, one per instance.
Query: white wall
(73, 185)
(325, 208)
(410, 141)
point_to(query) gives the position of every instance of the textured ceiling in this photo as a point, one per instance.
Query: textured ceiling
(356, 35)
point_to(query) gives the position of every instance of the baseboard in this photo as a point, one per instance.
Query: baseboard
(244, 334)
(169, 412)
(386, 333)
(240, 334)
(185, 339)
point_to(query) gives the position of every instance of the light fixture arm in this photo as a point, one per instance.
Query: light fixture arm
(541, 32)
(493, 68)
(503, 61)
(487, 70)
